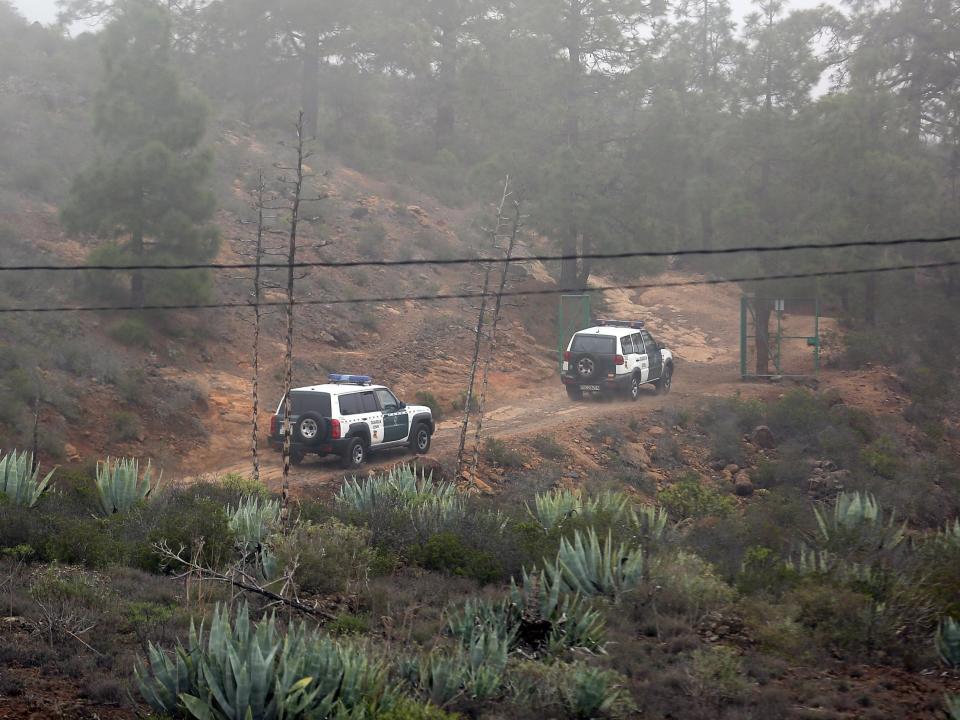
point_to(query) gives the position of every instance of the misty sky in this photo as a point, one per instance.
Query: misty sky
(46, 10)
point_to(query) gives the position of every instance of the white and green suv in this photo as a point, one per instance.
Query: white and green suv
(350, 417)
(615, 356)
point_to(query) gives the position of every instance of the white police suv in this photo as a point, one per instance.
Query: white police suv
(350, 417)
(615, 356)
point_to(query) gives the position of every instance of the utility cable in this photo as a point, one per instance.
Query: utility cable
(482, 260)
(476, 295)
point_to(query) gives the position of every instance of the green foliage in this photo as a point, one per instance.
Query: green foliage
(691, 498)
(717, 672)
(242, 486)
(120, 485)
(331, 557)
(427, 398)
(131, 331)
(407, 709)
(552, 508)
(577, 690)
(446, 552)
(548, 448)
(857, 522)
(20, 480)
(252, 521)
(125, 426)
(149, 131)
(497, 452)
(241, 669)
(584, 566)
(763, 570)
(689, 586)
(66, 599)
(948, 642)
(952, 703)
(189, 519)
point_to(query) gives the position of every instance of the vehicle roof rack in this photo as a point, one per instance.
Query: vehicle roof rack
(346, 379)
(635, 324)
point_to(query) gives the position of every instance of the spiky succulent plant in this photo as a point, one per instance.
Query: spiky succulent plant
(585, 566)
(20, 480)
(120, 485)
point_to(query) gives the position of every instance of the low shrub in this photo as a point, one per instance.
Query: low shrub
(330, 556)
(125, 426)
(497, 452)
(548, 448)
(447, 553)
(716, 673)
(691, 498)
(424, 397)
(688, 586)
(131, 331)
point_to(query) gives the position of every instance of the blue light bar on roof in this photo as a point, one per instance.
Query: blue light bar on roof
(350, 379)
(635, 324)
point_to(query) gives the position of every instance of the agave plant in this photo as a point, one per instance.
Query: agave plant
(120, 486)
(550, 509)
(19, 479)
(651, 522)
(612, 504)
(441, 676)
(571, 621)
(586, 567)
(952, 703)
(948, 642)
(858, 518)
(479, 617)
(590, 692)
(400, 485)
(950, 535)
(253, 520)
(246, 671)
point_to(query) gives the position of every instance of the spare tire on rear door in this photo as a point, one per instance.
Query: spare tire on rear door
(311, 428)
(587, 367)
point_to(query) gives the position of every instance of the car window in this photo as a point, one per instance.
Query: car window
(604, 344)
(369, 402)
(350, 404)
(387, 401)
(626, 342)
(638, 342)
(648, 340)
(308, 402)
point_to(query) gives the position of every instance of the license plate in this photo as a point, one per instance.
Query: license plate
(590, 388)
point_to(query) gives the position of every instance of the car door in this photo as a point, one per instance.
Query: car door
(631, 358)
(357, 412)
(396, 421)
(654, 356)
(642, 358)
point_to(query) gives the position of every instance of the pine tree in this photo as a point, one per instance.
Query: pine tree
(147, 190)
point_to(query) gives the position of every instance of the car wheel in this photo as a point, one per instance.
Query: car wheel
(666, 380)
(634, 388)
(586, 367)
(310, 428)
(354, 455)
(420, 439)
(574, 393)
(297, 456)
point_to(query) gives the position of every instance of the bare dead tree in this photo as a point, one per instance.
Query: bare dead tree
(236, 577)
(297, 189)
(255, 400)
(497, 312)
(478, 339)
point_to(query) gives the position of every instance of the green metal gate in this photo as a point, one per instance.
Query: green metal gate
(792, 332)
(572, 315)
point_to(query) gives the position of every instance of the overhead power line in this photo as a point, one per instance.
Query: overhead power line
(476, 295)
(480, 260)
